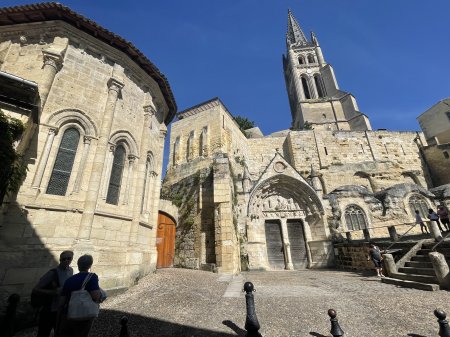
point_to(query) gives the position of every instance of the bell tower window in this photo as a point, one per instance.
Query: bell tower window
(301, 60)
(311, 58)
(306, 88)
(319, 86)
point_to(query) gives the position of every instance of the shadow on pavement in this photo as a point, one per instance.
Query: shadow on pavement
(240, 332)
(108, 324)
(316, 334)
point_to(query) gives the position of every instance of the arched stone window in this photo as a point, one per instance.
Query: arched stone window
(62, 169)
(203, 146)
(355, 218)
(176, 151)
(115, 179)
(417, 202)
(311, 58)
(306, 88)
(319, 85)
(301, 60)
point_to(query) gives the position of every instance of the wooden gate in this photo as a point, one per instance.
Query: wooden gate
(298, 247)
(165, 241)
(274, 245)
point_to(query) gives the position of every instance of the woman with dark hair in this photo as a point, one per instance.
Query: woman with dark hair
(78, 328)
(375, 256)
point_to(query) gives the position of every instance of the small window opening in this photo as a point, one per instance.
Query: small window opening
(311, 59)
(301, 60)
(326, 152)
(306, 88)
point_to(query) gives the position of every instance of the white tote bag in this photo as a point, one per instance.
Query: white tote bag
(81, 305)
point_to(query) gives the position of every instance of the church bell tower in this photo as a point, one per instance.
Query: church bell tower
(314, 95)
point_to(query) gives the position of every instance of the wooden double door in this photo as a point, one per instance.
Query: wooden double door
(165, 241)
(274, 244)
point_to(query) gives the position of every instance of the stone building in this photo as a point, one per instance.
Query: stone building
(95, 153)
(435, 124)
(249, 201)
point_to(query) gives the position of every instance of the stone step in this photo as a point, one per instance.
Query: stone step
(444, 245)
(410, 284)
(417, 271)
(415, 277)
(419, 264)
(423, 252)
(421, 258)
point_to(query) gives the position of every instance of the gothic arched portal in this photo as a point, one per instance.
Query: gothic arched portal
(283, 212)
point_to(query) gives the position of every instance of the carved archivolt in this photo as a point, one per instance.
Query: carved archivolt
(283, 196)
(62, 117)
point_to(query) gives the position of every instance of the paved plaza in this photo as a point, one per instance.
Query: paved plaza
(181, 302)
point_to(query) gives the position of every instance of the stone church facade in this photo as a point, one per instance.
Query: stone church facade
(280, 201)
(95, 153)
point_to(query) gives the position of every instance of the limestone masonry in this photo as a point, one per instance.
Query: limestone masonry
(280, 201)
(96, 112)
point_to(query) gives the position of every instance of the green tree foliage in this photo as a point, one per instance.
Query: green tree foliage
(12, 170)
(244, 123)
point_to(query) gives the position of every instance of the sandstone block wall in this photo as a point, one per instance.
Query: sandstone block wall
(80, 80)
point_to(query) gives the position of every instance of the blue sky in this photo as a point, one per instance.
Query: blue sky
(393, 55)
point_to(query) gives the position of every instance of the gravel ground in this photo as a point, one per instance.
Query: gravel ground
(180, 302)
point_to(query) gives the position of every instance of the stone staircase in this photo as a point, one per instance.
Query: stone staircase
(416, 271)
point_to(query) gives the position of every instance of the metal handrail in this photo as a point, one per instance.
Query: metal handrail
(437, 244)
(393, 243)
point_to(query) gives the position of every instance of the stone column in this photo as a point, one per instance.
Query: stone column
(131, 160)
(114, 88)
(87, 144)
(286, 245)
(52, 64)
(107, 171)
(441, 269)
(44, 158)
(142, 171)
(434, 230)
(393, 233)
(389, 265)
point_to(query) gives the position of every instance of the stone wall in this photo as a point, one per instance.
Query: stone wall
(88, 85)
(438, 160)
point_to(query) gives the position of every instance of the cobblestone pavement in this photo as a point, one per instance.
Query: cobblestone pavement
(180, 302)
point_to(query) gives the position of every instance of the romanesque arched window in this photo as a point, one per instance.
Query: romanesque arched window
(301, 60)
(115, 179)
(62, 169)
(306, 88)
(176, 151)
(319, 86)
(417, 202)
(311, 58)
(355, 218)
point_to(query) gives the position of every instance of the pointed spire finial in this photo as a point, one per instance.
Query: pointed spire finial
(294, 33)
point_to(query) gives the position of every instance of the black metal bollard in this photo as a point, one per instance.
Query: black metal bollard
(444, 329)
(9, 320)
(251, 321)
(336, 330)
(124, 328)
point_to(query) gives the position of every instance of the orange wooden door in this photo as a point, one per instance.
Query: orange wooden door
(165, 241)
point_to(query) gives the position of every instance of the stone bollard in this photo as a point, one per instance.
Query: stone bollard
(444, 329)
(389, 264)
(393, 233)
(434, 230)
(441, 269)
(124, 327)
(366, 234)
(336, 330)
(9, 320)
(251, 321)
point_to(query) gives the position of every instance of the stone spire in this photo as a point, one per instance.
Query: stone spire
(294, 33)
